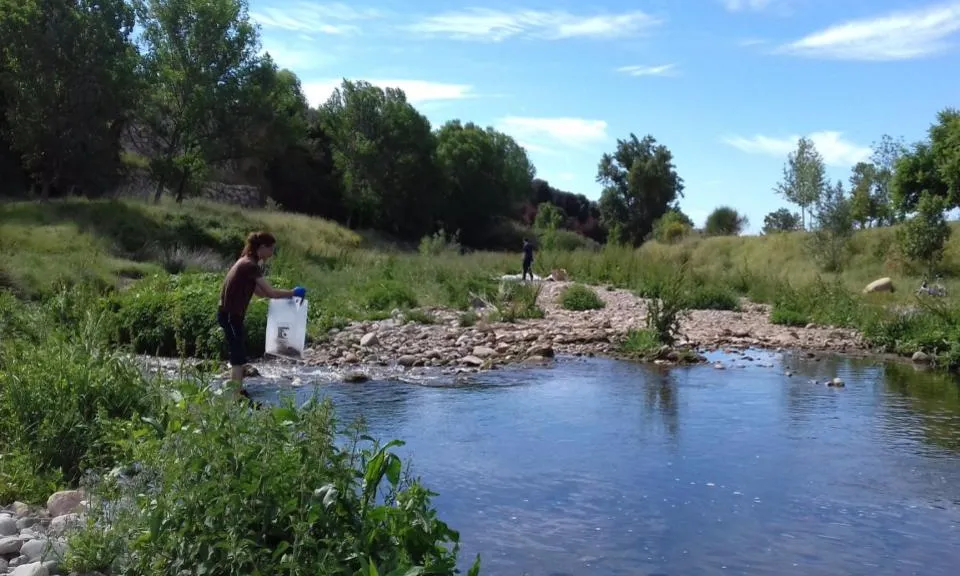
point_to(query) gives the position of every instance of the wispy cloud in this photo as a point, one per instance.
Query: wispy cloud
(746, 42)
(546, 134)
(747, 5)
(484, 24)
(901, 35)
(661, 70)
(417, 91)
(308, 17)
(836, 150)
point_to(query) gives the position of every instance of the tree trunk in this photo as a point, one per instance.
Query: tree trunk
(158, 193)
(183, 184)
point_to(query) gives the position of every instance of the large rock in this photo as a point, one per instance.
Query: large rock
(921, 357)
(60, 524)
(880, 285)
(484, 352)
(65, 502)
(369, 339)
(34, 569)
(10, 545)
(472, 361)
(8, 526)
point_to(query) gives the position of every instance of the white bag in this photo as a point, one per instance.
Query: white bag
(286, 327)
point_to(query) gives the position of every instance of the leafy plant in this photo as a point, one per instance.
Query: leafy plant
(578, 297)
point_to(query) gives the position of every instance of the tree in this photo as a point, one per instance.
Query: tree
(945, 148)
(549, 218)
(834, 228)
(66, 72)
(923, 238)
(782, 220)
(725, 221)
(915, 174)
(884, 159)
(385, 150)
(200, 63)
(863, 202)
(804, 178)
(672, 226)
(640, 184)
(305, 177)
(488, 177)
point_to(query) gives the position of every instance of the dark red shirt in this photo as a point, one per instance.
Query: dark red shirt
(239, 286)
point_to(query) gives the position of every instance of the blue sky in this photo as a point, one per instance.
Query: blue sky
(727, 85)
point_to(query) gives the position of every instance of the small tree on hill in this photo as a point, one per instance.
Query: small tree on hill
(834, 228)
(804, 178)
(923, 237)
(725, 221)
(783, 220)
(672, 227)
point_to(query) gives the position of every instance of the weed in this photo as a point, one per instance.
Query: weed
(578, 297)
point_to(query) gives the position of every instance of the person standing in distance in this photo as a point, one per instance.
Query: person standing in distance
(244, 279)
(527, 259)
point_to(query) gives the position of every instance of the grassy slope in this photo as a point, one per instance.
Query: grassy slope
(107, 241)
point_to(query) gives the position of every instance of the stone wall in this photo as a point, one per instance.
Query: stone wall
(138, 185)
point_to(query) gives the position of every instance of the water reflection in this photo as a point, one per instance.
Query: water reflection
(608, 468)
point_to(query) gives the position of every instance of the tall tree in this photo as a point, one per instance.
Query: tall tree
(804, 178)
(945, 148)
(864, 207)
(199, 59)
(487, 174)
(385, 150)
(640, 184)
(834, 227)
(916, 173)
(886, 153)
(66, 71)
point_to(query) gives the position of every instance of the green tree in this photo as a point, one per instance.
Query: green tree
(672, 226)
(640, 184)
(916, 173)
(834, 224)
(863, 202)
(884, 159)
(782, 220)
(488, 176)
(725, 221)
(385, 150)
(549, 217)
(67, 75)
(201, 67)
(804, 178)
(945, 148)
(923, 238)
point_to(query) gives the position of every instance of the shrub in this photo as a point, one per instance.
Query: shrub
(923, 237)
(440, 243)
(225, 490)
(711, 297)
(175, 316)
(385, 295)
(578, 297)
(518, 301)
(666, 305)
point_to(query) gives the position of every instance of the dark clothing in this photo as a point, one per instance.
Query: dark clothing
(233, 333)
(527, 260)
(239, 286)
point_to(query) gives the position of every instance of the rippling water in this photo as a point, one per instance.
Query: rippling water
(600, 467)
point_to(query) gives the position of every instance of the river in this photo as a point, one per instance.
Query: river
(602, 467)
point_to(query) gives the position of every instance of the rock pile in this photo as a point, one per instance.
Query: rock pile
(32, 539)
(447, 345)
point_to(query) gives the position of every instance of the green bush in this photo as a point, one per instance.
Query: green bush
(225, 490)
(176, 316)
(711, 297)
(387, 294)
(59, 390)
(578, 297)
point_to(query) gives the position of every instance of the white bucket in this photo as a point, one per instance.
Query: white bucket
(286, 327)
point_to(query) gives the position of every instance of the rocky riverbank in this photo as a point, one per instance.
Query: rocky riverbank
(448, 345)
(32, 539)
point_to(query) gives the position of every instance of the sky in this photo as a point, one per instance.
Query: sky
(727, 85)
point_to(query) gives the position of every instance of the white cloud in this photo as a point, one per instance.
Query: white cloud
(744, 5)
(543, 134)
(496, 25)
(417, 91)
(901, 35)
(300, 58)
(836, 151)
(661, 70)
(746, 42)
(313, 18)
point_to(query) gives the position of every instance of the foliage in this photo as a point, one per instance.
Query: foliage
(830, 241)
(67, 76)
(578, 297)
(711, 296)
(666, 305)
(922, 238)
(440, 243)
(640, 185)
(60, 388)
(672, 226)
(515, 301)
(804, 178)
(549, 218)
(725, 221)
(782, 220)
(224, 490)
(864, 207)
(916, 173)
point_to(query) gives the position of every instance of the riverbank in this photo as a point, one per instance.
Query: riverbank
(438, 338)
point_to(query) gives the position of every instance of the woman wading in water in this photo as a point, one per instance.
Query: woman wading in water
(245, 279)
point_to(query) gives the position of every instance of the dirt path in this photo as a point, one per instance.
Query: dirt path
(599, 332)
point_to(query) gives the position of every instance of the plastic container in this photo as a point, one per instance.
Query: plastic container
(286, 327)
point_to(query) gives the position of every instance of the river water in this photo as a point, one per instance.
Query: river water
(602, 467)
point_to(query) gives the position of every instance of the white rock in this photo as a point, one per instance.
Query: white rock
(472, 361)
(43, 550)
(65, 502)
(8, 526)
(60, 524)
(369, 339)
(10, 545)
(34, 569)
(484, 352)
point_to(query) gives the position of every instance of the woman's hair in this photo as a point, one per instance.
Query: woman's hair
(255, 240)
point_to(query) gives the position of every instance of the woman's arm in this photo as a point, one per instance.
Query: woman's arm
(265, 290)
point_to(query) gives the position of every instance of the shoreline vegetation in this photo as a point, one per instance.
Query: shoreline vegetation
(400, 231)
